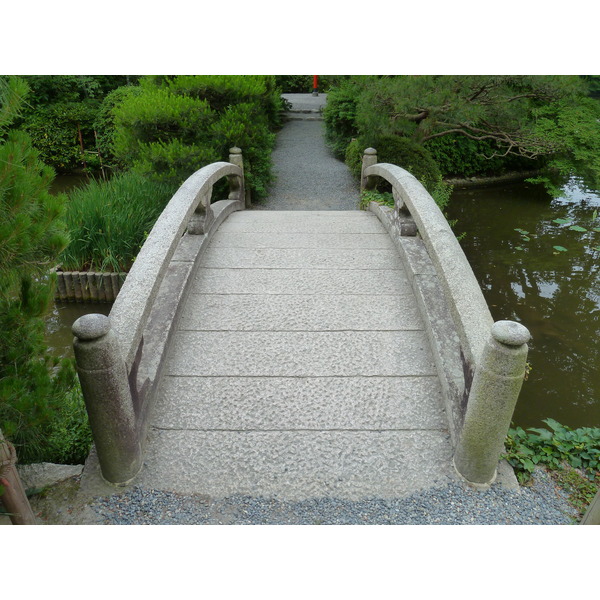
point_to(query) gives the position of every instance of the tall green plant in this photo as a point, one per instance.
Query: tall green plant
(109, 221)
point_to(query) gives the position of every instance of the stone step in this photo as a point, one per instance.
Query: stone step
(269, 312)
(300, 258)
(296, 465)
(299, 403)
(283, 222)
(300, 354)
(300, 281)
(348, 241)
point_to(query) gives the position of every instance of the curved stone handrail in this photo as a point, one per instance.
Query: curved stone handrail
(119, 358)
(132, 306)
(468, 306)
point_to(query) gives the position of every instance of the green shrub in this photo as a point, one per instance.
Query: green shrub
(460, 156)
(54, 130)
(104, 124)
(303, 84)
(580, 448)
(176, 125)
(33, 384)
(109, 221)
(48, 89)
(340, 116)
(225, 91)
(295, 84)
(172, 162)
(244, 126)
(156, 115)
(69, 437)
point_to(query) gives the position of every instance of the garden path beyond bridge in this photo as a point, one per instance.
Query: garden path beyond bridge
(299, 354)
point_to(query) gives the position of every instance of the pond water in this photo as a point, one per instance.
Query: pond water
(67, 182)
(59, 322)
(545, 276)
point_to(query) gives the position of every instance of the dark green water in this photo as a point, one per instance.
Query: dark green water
(555, 294)
(60, 320)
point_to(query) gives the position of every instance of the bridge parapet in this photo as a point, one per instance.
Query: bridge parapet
(126, 349)
(480, 393)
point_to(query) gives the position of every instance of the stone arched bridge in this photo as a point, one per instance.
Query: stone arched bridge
(299, 354)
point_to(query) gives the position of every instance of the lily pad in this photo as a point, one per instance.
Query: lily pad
(561, 221)
(577, 228)
(560, 248)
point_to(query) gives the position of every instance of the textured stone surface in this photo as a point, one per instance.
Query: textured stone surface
(300, 281)
(300, 353)
(304, 222)
(467, 304)
(91, 326)
(300, 367)
(269, 312)
(297, 464)
(307, 175)
(40, 475)
(245, 239)
(316, 403)
(297, 258)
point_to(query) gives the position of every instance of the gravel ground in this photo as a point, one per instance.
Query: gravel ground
(539, 504)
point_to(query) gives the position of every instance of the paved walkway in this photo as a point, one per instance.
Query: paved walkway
(308, 176)
(300, 368)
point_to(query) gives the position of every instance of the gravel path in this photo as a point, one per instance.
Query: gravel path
(308, 176)
(540, 504)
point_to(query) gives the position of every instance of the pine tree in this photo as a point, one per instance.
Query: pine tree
(34, 388)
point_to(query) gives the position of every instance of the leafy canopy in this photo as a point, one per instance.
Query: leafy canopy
(536, 118)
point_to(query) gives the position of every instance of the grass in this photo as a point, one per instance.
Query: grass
(108, 222)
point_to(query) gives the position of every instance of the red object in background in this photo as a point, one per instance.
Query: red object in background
(315, 84)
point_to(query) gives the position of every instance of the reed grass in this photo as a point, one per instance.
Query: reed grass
(108, 222)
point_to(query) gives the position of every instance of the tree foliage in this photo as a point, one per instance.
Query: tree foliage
(37, 392)
(176, 125)
(537, 120)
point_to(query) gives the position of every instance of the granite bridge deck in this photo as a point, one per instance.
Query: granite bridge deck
(300, 367)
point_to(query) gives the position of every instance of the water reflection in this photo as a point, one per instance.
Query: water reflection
(545, 276)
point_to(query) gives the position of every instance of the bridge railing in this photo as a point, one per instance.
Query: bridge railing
(493, 354)
(119, 357)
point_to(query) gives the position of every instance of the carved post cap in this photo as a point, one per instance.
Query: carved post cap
(370, 151)
(91, 327)
(510, 333)
(235, 150)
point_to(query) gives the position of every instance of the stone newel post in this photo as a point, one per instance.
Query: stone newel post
(236, 158)
(369, 159)
(496, 385)
(103, 376)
